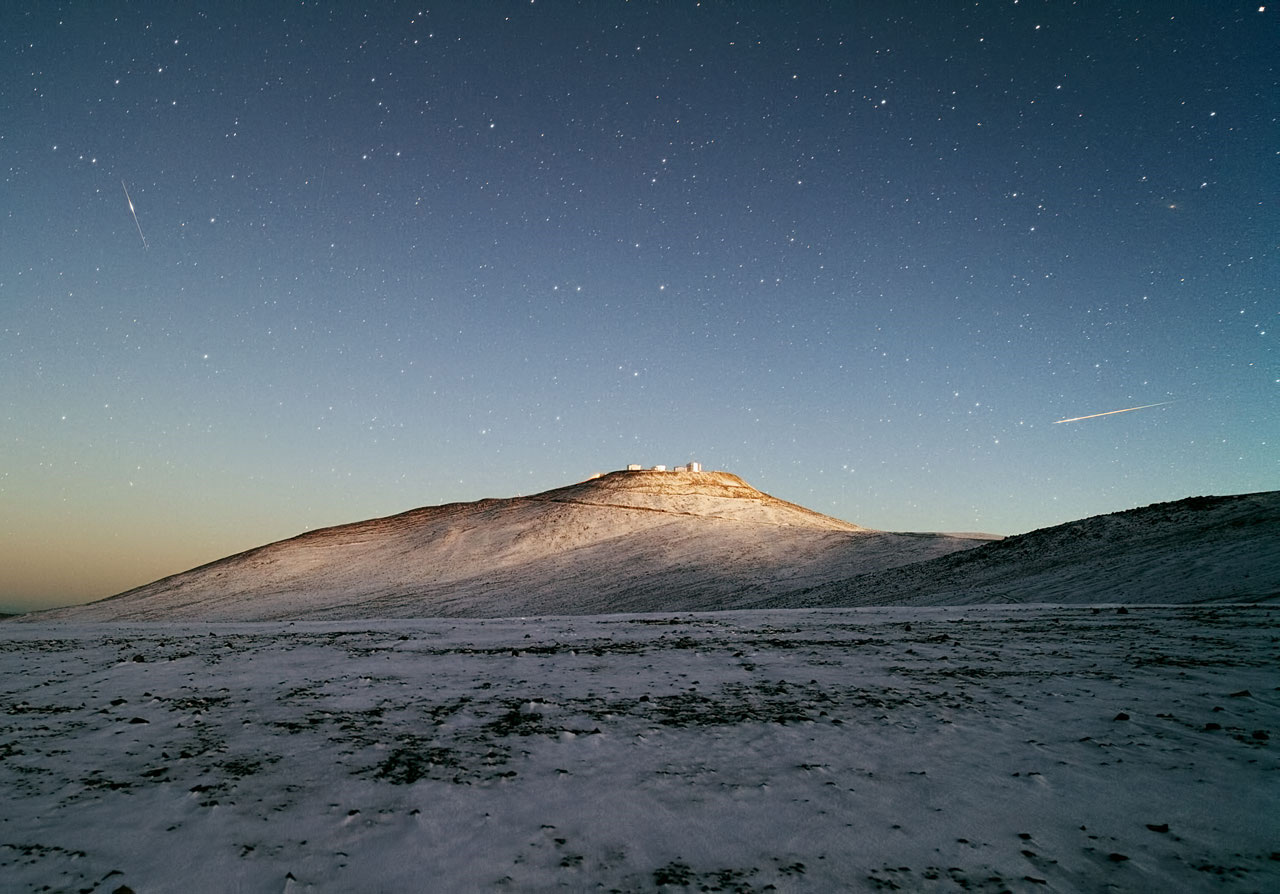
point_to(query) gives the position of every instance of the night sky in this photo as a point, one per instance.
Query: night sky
(864, 255)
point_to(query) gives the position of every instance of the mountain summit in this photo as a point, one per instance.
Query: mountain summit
(626, 541)
(697, 493)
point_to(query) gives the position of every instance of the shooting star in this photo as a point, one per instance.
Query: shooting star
(1112, 412)
(135, 216)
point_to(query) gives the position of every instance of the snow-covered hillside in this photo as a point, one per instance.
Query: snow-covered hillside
(627, 541)
(1201, 549)
(981, 749)
(707, 541)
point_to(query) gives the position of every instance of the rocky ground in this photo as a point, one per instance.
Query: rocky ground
(990, 749)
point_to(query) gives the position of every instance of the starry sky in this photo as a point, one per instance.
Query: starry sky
(864, 255)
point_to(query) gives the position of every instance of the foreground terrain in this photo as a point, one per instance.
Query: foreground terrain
(988, 749)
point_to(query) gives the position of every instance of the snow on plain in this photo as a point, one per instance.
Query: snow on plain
(1025, 748)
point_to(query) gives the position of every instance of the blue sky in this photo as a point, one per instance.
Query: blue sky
(862, 255)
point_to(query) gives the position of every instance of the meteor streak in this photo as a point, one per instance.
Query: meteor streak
(135, 216)
(1112, 412)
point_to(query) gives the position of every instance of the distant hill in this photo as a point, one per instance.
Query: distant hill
(1201, 549)
(624, 542)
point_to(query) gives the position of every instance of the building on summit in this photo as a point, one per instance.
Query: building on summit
(691, 467)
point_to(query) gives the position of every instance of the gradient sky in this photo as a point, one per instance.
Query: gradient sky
(864, 255)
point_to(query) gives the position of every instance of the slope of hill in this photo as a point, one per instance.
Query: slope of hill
(624, 542)
(1201, 549)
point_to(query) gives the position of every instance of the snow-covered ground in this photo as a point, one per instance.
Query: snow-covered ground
(1024, 748)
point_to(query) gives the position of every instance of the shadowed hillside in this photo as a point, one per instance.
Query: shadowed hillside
(1201, 549)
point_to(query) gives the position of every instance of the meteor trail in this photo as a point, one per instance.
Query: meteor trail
(1112, 412)
(135, 215)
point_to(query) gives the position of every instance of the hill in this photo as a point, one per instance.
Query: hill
(624, 542)
(1200, 549)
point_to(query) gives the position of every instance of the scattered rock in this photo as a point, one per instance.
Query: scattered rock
(1121, 716)
(1158, 827)
(1243, 693)
(674, 873)
(1116, 858)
